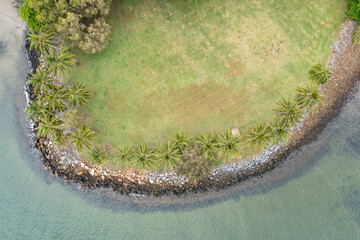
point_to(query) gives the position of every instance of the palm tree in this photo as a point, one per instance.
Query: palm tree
(142, 157)
(319, 74)
(55, 98)
(42, 41)
(77, 94)
(49, 125)
(59, 61)
(98, 155)
(229, 145)
(182, 140)
(259, 134)
(309, 96)
(60, 138)
(288, 111)
(124, 154)
(207, 144)
(167, 154)
(40, 81)
(81, 137)
(37, 110)
(279, 131)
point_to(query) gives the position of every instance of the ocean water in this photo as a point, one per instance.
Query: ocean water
(318, 199)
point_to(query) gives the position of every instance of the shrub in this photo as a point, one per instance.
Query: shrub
(356, 36)
(29, 15)
(193, 164)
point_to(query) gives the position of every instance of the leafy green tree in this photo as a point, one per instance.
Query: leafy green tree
(81, 137)
(143, 158)
(28, 14)
(229, 145)
(288, 111)
(309, 96)
(319, 74)
(167, 154)
(279, 131)
(193, 164)
(182, 140)
(37, 110)
(96, 39)
(49, 125)
(354, 10)
(59, 61)
(98, 155)
(124, 154)
(55, 98)
(259, 134)
(207, 144)
(42, 41)
(77, 94)
(40, 81)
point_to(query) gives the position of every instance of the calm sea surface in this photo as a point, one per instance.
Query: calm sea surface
(321, 200)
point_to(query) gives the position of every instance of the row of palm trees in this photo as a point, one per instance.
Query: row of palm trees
(55, 97)
(227, 145)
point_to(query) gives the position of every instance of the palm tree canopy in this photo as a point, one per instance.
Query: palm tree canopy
(82, 136)
(229, 145)
(143, 158)
(40, 81)
(182, 139)
(167, 154)
(259, 134)
(77, 94)
(42, 41)
(59, 61)
(319, 74)
(208, 144)
(309, 96)
(55, 98)
(124, 154)
(98, 155)
(279, 131)
(37, 110)
(49, 125)
(288, 111)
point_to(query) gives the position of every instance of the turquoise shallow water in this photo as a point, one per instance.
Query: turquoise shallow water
(320, 200)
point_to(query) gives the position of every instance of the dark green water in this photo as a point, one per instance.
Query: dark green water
(321, 200)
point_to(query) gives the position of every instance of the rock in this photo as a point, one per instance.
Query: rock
(80, 173)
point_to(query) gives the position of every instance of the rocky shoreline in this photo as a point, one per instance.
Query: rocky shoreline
(345, 67)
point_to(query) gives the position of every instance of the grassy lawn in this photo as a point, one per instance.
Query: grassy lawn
(205, 66)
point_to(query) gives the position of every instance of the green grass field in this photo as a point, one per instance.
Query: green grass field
(204, 66)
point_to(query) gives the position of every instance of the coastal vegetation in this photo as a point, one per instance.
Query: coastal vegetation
(61, 90)
(82, 22)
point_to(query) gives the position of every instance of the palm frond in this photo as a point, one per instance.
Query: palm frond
(288, 111)
(167, 154)
(229, 145)
(259, 134)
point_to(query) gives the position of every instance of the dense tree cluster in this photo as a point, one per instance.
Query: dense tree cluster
(80, 21)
